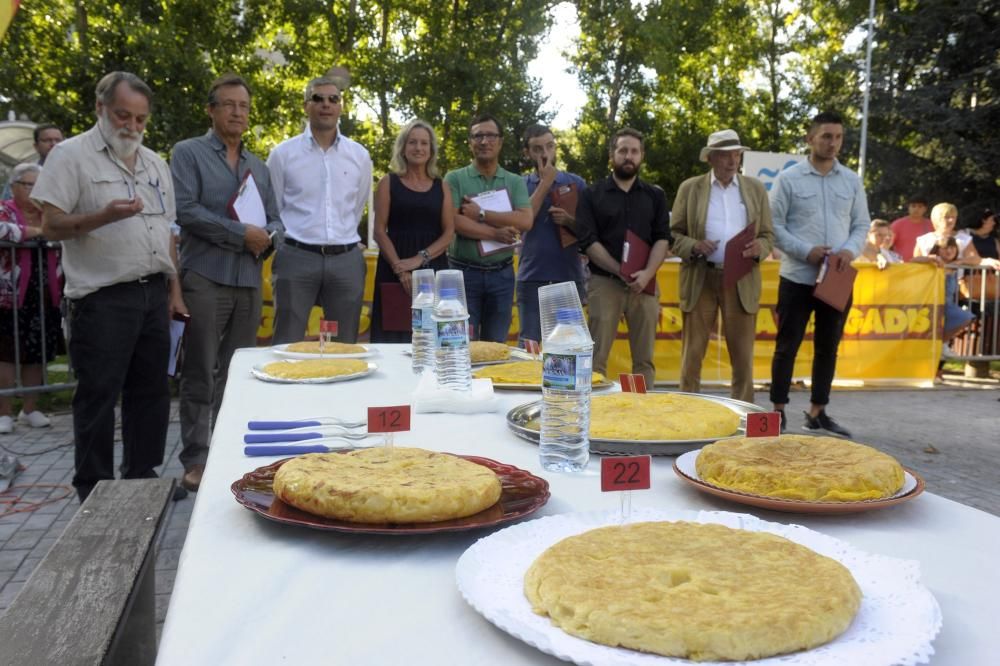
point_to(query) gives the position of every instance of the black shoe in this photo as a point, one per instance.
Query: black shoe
(179, 493)
(821, 423)
(784, 422)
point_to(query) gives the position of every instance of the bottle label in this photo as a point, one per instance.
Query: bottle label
(422, 319)
(570, 372)
(452, 334)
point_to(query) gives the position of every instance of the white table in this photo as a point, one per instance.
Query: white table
(251, 591)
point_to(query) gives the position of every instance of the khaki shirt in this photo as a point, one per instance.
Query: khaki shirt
(81, 176)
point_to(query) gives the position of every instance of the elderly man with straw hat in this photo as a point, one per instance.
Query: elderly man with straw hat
(709, 211)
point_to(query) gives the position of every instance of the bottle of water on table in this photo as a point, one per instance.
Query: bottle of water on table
(423, 320)
(567, 364)
(452, 363)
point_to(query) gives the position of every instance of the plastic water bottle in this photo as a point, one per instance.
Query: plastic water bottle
(422, 318)
(451, 320)
(567, 364)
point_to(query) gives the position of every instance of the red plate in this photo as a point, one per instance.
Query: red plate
(522, 494)
(802, 506)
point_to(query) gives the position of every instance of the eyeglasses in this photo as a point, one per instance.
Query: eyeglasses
(319, 99)
(231, 106)
(484, 137)
(24, 183)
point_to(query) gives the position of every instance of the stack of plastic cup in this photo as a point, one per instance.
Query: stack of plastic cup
(555, 297)
(453, 279)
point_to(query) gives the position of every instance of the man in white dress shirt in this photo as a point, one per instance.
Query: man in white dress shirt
(322, 180)
(708, 212)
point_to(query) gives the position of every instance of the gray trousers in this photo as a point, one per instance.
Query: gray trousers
(302, 279)
(223, 319)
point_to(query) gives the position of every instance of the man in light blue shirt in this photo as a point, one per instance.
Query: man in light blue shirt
(820, 213)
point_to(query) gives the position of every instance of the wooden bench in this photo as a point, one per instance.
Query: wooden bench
(91, 600)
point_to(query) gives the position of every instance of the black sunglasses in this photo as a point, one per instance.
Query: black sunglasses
(319, 99)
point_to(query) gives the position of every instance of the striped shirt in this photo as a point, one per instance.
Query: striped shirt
(204, 185)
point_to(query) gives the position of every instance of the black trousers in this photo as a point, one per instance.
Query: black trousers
(119, 346)
(795, 306)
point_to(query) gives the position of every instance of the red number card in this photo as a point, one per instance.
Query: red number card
(531, 346)
(328, 326)
(763, 424)
(625, 473)
(389, 419)
(632, 383)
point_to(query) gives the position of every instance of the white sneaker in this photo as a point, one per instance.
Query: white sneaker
(6, 425)
(35, 419)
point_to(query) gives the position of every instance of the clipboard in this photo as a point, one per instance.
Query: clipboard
(178, 323)
(565, 197)
(246, 205)
(835, 287)
(635, 254)
(734, 264)
(396, 311)
(495, 201)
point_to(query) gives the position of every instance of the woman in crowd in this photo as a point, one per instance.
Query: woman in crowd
(20, 275)
(943, 217)
(414, 224)
(984, 236)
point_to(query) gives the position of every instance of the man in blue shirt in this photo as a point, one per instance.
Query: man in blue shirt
(545, 257)
(819, 212)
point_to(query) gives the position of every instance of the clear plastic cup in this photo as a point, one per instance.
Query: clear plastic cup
(451, 279)
(423, 282)
(555, 297)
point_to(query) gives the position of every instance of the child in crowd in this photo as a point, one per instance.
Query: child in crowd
(956, 319)
(878, 248)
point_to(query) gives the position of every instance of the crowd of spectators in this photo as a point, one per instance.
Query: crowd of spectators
(144, 242)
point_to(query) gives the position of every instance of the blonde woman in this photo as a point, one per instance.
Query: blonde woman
(943, 217)
(414, 224)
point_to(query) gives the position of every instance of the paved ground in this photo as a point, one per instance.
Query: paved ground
(948, 434)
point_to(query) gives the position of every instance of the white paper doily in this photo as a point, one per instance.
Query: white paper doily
(896, 623)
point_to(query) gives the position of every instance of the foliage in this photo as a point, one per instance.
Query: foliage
(675, 69)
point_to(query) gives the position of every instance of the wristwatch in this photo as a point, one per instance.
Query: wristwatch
(426, 256)
(482, 215)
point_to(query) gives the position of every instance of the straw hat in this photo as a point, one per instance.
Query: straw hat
(726, 139)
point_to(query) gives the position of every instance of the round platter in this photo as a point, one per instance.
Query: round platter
(520, 418)
(896, 624)
(684, 467)
(522, 494)
(516, 353)
(258, 372)
(282, 350)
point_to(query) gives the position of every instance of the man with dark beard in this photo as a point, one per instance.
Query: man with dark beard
(111, 203)
(606, 211)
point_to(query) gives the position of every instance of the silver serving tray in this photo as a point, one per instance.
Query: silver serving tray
(520, 416)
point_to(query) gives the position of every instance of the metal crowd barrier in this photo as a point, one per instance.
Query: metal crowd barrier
(980, 294)
(39, 248)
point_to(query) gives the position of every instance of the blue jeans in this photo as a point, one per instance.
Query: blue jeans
(527, 307)
(489, 295)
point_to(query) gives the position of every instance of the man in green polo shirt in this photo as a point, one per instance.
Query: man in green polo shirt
(480, 234)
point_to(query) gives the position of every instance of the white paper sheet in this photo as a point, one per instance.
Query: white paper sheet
(176, 335)
(248, 204)
(496, 201)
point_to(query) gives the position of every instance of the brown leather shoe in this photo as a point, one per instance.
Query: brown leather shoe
(192, 477)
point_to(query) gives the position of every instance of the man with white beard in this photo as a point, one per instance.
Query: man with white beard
(110, 201)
